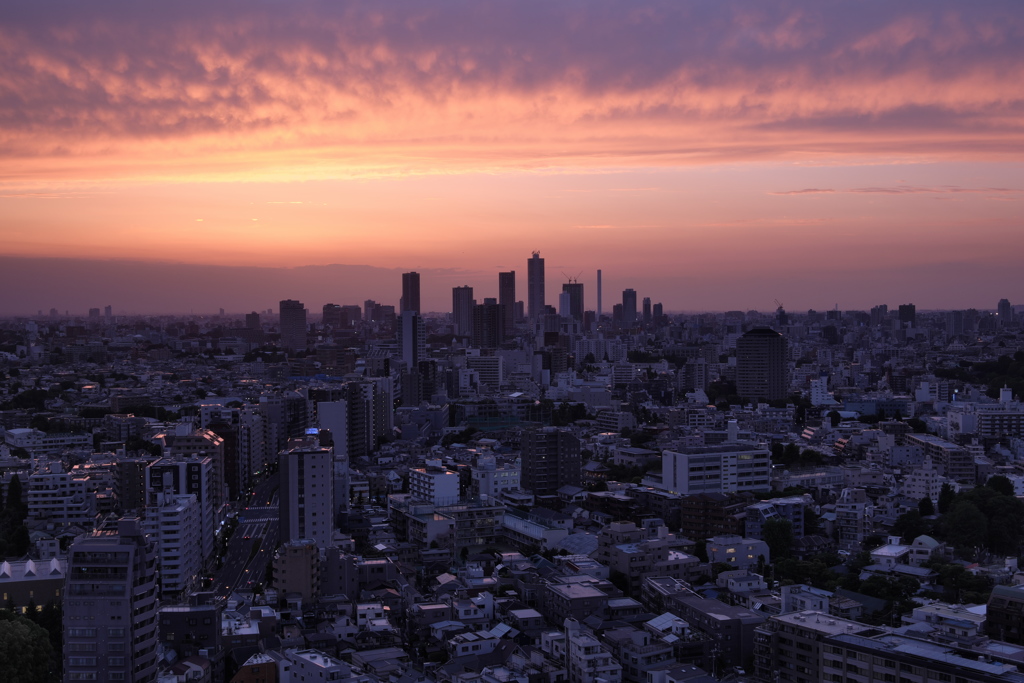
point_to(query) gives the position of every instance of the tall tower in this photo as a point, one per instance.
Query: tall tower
(628, 307)
(307, 491)
(535, 285)
(507, 298)
(647, 311)
(293, 325)
(761, 365)
(599, 311)
(110, 614)
(575, 291)
(462, 310)
(410, 292)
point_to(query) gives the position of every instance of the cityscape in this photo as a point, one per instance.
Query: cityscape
(512, 342)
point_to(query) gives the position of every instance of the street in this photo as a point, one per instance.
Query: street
(253, 543)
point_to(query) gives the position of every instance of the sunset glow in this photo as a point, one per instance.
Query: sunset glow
(853, 154)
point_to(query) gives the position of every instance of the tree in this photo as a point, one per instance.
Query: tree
(946, 498)
(966, 526)
(14, 503)
(926, 507)
(910, 525)
(1000, 485)
(778, 534)
(25, 650)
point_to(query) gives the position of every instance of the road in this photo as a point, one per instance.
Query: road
(253, 543)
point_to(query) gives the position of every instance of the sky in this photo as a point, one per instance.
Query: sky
(711, 156)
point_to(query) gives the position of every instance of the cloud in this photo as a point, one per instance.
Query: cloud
(247, 90)
(907, 189)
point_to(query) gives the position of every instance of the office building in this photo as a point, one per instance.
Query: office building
(628, 308)
(110, 606)
(575, 291)
(726, 468)
(761, 365)
(535, 286)
(507, 298)
(550, 460)
(293, 325)
(410, 293)
(647, 311)
(307, 491)
(252, 321)
(599, 309)
(462, 310)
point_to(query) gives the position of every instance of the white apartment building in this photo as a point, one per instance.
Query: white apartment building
(57, 497)
(173, 523)
(307, 492)
(434, 484)
(491, 480)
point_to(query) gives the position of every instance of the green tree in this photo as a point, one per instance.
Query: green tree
(946, 498)
(910, 525)
(1000, 485)
(25, 650)
(965, 526)
(926, 507)
(778, 534)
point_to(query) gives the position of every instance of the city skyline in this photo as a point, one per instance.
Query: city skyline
(872, 153)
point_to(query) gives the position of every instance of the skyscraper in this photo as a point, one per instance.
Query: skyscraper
(410, 292)
(412, 339)
(293, 325)
(1004, 312)
(761, 365)
(307, 491)
(462, 310)
(599, 309)
(110, 608)
(535, 286)
(647, 311)
(333, 317)
(628, 307)
(252, 321)
(488, 325)
(575, 291)
(908, 315)
(507, 298)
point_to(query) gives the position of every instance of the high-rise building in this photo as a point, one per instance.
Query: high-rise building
(507, 298)
(293, 325)
(191, 476)
(333, 317)
(761, 365)
(307, 491)
(488, 325)
(628, 307)
(535, 286)
(110, 606)
(1004, 313)
(599, 309)
(412, 339)
(252, 321)
(462, 310)
(575, 291)
(550, 460)
(173, 523)
(647, 311)
(410, 293)
(908, 315)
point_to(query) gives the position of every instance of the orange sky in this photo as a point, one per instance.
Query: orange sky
(667, 144)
